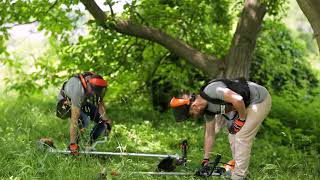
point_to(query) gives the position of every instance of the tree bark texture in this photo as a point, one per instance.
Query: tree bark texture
(238, 59)
(311, 9)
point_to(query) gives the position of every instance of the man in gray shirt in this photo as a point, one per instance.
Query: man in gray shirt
(81, 99)
(244, 104)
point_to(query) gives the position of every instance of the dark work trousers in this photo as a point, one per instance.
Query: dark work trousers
(91, 112)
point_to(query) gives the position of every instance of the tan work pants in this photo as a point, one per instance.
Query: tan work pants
(241, 142)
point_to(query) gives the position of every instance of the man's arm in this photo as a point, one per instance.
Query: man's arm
(75, 114)
(102, 111)
(209, 138)
(237, 101)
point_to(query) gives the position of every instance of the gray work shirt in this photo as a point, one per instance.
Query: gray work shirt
(216, 90)
(73, 89)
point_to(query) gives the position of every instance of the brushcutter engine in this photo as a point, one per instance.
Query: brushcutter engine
(211, 169)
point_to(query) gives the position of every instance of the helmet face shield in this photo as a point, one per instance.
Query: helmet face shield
(181, 106)
(98, 90)
(181, 113)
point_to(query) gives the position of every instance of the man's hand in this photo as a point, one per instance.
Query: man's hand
(205, 170)
(107, 123)
(236, 126)
(73, 147)
(205, 162)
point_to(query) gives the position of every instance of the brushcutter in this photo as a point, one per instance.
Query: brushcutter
(168, 163)
(211, 169)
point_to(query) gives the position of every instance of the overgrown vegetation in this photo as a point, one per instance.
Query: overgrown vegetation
(279, 151)
(292, 74)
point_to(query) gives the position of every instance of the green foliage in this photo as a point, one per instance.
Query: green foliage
(279, 62)
(144, 67)
(201, 24)
(275, 7)
(25, 80)
(292, 123)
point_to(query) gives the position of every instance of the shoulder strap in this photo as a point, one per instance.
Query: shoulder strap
(239, 86)
(83, 79)
(212, 100)
(83, 82)
(208, 98)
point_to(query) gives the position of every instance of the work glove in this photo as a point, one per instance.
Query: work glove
(235, 126)
(205, 162)
(107, 123)
(74, 149)
(205, 169)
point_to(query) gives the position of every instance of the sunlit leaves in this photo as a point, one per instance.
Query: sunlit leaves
(275, 7)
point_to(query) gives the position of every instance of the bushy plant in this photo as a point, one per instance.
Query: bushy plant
(279, 62)
(293, 123)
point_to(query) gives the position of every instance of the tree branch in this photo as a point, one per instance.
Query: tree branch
(111, 10)
(209, 64)
(311, 9)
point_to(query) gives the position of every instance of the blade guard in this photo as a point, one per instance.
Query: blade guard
(169, 164)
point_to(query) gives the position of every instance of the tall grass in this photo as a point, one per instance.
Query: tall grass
(136, 129)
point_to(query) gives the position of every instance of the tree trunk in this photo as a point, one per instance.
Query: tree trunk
(311, 9)
(238, 59)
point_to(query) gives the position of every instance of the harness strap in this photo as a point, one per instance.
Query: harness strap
(84, 83)
(228, 83)
(213, 100)
(83, 78)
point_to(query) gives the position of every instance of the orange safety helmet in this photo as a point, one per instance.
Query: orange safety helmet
(93, 83)
(98, 85)
(181, 106)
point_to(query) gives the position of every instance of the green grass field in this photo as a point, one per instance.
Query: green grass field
(136, 129)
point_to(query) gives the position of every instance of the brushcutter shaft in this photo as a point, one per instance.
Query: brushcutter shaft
(165, 173)
(171, 173)
(117, 154)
